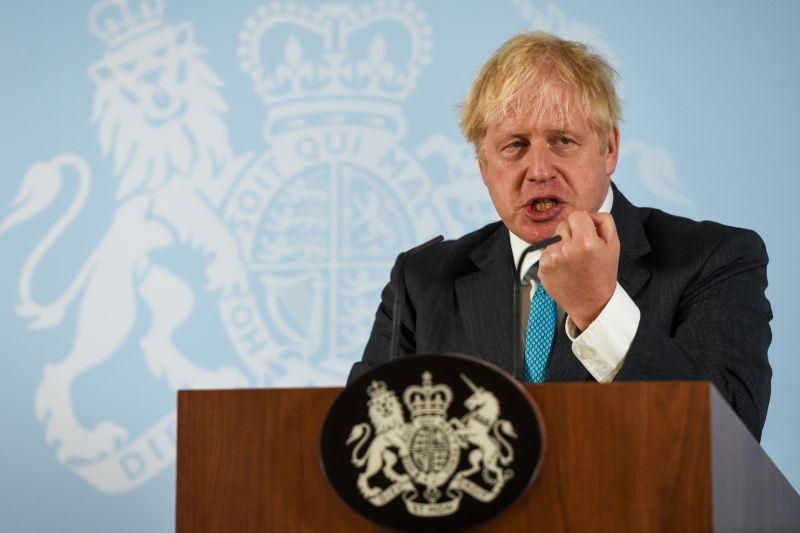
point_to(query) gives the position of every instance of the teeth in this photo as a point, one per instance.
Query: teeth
(543, 205)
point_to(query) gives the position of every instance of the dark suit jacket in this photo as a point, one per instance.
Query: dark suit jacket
(699, 286)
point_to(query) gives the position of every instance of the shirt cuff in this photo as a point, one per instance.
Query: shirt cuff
(603, 346)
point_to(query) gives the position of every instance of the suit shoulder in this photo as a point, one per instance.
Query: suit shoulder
(678, 235)
(451, 258)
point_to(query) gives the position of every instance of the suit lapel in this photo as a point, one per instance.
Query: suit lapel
(633, 244)
(485, 297)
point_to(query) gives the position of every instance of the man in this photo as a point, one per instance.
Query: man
(639, 294)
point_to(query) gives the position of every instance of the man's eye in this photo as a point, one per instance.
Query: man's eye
(516, 145)
(564, 141)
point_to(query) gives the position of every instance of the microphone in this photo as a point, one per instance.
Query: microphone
(399, 290)
(518, 296)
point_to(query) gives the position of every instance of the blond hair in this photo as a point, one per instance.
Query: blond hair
(537, 73)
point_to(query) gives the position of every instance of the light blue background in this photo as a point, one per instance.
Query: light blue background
(713, 83)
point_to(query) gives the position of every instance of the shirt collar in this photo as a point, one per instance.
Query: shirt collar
(518, 245)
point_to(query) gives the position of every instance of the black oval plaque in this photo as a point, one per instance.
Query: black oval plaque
(432, 442)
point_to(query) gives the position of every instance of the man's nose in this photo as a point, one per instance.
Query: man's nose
(539, 164)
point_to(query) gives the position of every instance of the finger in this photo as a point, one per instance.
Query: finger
(582, 225)
(549, 260)
(552, 251)
(606, 228)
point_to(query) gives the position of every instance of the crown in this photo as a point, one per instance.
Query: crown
(117, 21)
(338, 58)
(377, 391)
(428, 399)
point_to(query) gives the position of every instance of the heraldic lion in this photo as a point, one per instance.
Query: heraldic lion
(386, 417)
(159, 115)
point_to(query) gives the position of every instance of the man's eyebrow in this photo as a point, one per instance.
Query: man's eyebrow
(506, 135)
(516, 133)
(568, 132)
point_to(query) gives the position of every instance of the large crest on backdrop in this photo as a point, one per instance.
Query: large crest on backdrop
(295, 243)
(432, 442)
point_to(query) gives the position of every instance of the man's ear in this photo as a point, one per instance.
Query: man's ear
(612, 150)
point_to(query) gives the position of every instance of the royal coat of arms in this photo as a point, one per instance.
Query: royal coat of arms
(420, 458)
(433, 442)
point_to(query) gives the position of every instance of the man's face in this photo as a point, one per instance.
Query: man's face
(539, 170)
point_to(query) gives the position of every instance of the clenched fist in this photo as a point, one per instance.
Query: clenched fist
(580, 272)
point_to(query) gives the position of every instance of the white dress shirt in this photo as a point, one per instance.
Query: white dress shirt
(602, 347)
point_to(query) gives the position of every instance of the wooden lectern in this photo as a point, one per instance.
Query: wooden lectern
(668, 456)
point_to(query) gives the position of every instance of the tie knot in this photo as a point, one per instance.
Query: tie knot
(532, 273)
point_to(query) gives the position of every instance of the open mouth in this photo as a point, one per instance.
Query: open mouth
(541, 205)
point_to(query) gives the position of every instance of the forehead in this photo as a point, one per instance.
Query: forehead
(552, 118)
(546, 102)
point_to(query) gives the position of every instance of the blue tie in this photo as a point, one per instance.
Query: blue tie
(539, 335)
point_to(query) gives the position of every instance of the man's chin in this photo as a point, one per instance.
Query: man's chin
(534, 227)
(538, 233)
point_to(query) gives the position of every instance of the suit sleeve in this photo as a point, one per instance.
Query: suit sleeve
(720, 330)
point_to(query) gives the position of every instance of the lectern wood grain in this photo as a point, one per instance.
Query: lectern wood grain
(249, 461)
(621, 457)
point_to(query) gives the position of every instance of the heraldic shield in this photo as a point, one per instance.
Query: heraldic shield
(432, 442)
